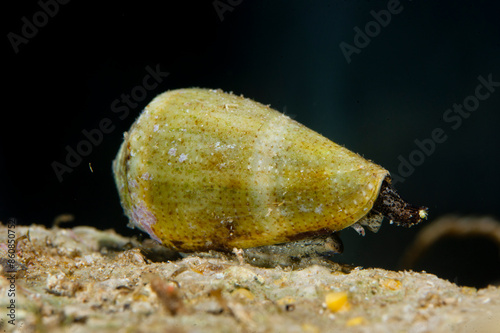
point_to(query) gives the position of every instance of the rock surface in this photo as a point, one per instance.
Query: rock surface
(84, 279)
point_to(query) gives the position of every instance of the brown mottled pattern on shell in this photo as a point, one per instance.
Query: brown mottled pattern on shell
(202, 169)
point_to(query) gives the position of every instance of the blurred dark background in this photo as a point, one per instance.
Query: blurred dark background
(63, 77)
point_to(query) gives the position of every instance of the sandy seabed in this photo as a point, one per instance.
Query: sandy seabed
(86, 280)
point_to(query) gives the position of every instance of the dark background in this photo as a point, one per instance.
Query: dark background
(283, 53)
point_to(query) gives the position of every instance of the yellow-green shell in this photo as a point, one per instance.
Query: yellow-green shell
(202, 169)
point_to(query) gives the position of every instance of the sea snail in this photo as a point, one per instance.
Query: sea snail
(203, 169)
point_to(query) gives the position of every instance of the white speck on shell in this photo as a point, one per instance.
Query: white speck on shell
(172, 151)
(182, 158)
(304, 209)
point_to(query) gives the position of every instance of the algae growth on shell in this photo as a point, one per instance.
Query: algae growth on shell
(202, 169)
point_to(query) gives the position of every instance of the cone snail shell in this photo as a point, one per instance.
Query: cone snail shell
(202, 169)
